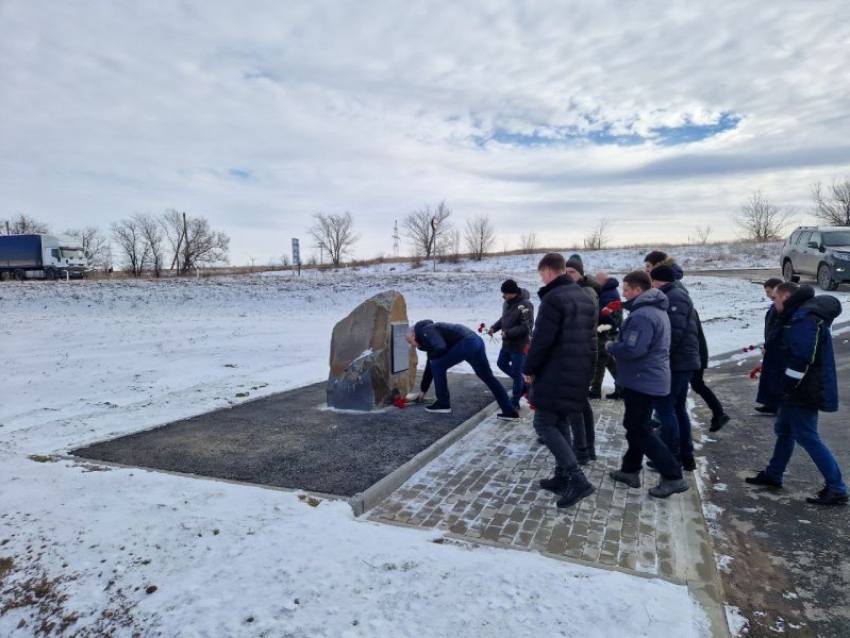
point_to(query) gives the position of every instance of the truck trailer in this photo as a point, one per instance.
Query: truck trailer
(41, 257)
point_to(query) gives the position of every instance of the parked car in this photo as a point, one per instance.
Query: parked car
(822, 253)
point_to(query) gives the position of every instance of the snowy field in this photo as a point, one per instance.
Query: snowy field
(91, 360)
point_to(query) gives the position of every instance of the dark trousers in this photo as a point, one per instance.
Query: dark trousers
(642, 441)
(583, 426)
(511, 364)
(554, 429)
(470, 349)
(698, 386)
(604, 361)
(673, 413)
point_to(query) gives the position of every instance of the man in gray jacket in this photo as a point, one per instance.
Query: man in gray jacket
(642, 351)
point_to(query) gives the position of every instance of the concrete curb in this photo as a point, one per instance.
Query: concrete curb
(369, 498)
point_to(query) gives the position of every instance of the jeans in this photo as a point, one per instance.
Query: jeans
(698, 386)
(554, 429)
(673, 413)
(470, 349)
(642, 441)
(798, 424)
(511, 364)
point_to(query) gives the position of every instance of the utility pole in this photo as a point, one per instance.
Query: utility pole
(396, 240)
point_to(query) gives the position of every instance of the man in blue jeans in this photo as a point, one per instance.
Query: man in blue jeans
(684, 361)
(809, 384)
(446, 345)
(516, 324)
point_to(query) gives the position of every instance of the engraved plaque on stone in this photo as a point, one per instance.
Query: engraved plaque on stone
(401, 349)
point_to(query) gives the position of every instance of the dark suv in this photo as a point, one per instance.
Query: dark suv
(823, 253)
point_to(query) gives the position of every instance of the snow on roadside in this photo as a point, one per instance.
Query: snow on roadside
(93, 360)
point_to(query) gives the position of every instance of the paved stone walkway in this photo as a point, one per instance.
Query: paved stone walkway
(484, 488)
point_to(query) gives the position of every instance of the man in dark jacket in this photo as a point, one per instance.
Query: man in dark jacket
(516, 324)
(584, 424)
(642, 351)
(809, 384)
(770, 379)
(446, 345)
(684, 361)
(719, 418)
(610, 315)
(558, 365)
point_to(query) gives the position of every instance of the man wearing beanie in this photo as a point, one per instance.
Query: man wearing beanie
(516, 325)
(584, 425)
(684, 361)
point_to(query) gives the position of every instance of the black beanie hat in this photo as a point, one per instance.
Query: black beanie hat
(509, 286)
(663, 273)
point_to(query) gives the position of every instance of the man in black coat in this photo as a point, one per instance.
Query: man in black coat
(516, 324)
(684, 361)
(558, 366)
(610, 320)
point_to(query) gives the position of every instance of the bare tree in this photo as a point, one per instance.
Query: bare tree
(334, 234)
(480, 236)
(94, 244)
(528, 242)
(192, 242)
(833, 206)
(598, 238)
(761, 220)
(702, 234)
(152, 235)
(23, 225)
(426, 229)
(449, 247)
(131, 245)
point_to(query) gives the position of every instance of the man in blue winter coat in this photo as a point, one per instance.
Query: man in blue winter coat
(684, 361)
(809, 384)
(446, 345)
(642, 350)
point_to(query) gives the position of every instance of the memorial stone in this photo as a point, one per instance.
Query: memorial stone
(371, 363)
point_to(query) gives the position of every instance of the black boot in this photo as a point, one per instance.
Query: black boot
(578, 488)
(689, 463)
(557, 482)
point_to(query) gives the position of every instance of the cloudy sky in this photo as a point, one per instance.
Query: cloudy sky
(659, 115)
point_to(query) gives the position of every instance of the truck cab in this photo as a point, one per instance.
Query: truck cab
(63, 254)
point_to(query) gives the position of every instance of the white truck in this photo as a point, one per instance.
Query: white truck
(41, 257)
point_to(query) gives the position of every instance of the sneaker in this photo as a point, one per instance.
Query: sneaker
(579, 487)
(689, 463)
(557, 482)
(668, 487)
(594, 395)
(762, 479)
(438, 408)
(632, 479)
(513, 415)
(717, 422)
(766, 409)
(828, 496)
(615, 395)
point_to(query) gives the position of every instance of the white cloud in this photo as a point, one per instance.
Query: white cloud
(258, 114)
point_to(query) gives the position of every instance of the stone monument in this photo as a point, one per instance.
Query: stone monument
(371, 362)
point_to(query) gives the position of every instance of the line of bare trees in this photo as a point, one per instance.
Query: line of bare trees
(142, 243)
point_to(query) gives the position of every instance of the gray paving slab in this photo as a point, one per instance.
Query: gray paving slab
(287, 440)
(786, 564)
(484, 488)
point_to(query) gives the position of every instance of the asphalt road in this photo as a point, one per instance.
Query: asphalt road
(286, 440)
(789, 571)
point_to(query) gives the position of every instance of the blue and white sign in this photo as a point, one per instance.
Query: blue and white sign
(296, 252)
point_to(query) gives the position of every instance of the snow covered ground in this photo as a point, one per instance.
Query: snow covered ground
(90, 360)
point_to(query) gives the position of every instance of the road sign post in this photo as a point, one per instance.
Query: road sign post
(296, 254)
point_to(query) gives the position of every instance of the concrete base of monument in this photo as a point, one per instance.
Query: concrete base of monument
(288, 441)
